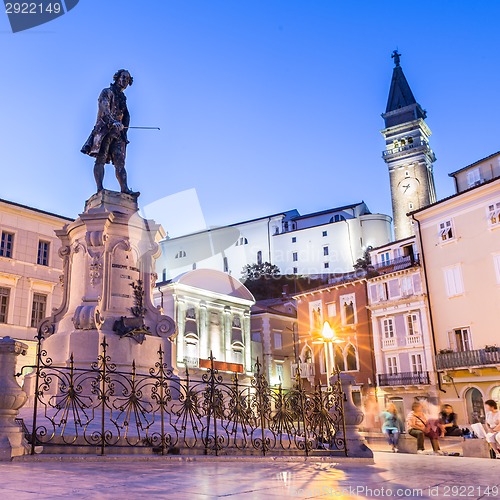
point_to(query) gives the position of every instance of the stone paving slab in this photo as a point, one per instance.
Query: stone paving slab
(392, 476)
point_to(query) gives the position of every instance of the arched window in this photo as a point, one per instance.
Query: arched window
(351, 358)
(495, 394)
(338, 360)
(164, 275)
(226, 265)
(191, 352)
(241, 241)
(191, 326)
(180, 254)
(349, 313)
(259, 257)
(307, 355)
(475, 406)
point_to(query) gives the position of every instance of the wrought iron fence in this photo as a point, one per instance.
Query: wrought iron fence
(104, 407)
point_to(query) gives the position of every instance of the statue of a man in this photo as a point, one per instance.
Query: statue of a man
(108, 140)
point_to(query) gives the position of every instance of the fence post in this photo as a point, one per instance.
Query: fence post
(211, 406)
(162, 401)
(302, 403)
(261, 387)
(103, 374)
(12, 398)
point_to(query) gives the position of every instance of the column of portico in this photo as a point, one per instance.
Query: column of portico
(203, 331)
(247, 339)
(228, 326)
(181, 322)
(266, 347)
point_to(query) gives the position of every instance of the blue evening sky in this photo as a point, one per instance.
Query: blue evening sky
(263, 105)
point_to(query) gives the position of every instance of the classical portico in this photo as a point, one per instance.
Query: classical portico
(212, 313)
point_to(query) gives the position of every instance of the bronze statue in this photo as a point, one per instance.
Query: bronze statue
(107, 142)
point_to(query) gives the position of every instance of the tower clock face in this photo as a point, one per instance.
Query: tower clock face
(408, 186)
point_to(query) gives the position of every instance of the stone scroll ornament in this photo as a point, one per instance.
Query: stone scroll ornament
(26, 15)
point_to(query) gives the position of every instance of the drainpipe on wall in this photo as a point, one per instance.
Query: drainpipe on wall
(269, 239)
(431, 319)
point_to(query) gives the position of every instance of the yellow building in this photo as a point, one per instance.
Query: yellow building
(459, 244)
(30, 270)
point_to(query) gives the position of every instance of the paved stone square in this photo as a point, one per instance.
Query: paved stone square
(392, 476)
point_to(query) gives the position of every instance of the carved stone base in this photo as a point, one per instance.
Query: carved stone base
(108, 256)
(86, 348)
(356, 444)
(12, 397)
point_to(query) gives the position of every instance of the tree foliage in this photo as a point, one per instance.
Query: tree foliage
(255, 272)
(266, 282)
(365, 263)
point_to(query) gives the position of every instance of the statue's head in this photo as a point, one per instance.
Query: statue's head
(123, 78)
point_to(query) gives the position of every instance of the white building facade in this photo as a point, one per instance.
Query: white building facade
(319, 243)
(212, 312)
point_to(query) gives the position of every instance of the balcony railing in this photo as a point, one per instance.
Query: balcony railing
(465, 359)
(405, 378)
(406, 147)
(413, 340)
(306, 370)
(390, 342)
(396, 264)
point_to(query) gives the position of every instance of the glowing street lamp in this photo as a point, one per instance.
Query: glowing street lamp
(328, 338)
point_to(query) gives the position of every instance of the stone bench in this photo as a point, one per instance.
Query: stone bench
(377, 441)
(477, 448)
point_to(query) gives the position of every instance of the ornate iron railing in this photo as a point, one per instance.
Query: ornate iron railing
(405, 378)
(465, 359)
(102, 407)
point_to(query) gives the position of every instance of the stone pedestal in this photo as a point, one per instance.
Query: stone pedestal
(477, 448)
(108, 257)
(355, 442)
(12, 397)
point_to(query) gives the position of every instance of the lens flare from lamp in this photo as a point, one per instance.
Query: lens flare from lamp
(327, 332)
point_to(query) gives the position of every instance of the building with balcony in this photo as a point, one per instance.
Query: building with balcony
(344, 306)
(274, 330)
(401, 330)
(459, 243)
(319, 243)
(30, 270)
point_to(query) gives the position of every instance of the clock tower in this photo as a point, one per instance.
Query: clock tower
(407, 152)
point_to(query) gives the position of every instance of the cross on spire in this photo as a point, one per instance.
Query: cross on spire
(396, 56)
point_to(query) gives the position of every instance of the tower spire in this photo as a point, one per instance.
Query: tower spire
(408, 155)
(400, 94)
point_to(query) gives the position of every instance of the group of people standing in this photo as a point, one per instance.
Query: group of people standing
(420, 425)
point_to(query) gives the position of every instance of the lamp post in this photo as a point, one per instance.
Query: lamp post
(328, 338)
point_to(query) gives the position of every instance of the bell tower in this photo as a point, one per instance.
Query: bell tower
(407, 152)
